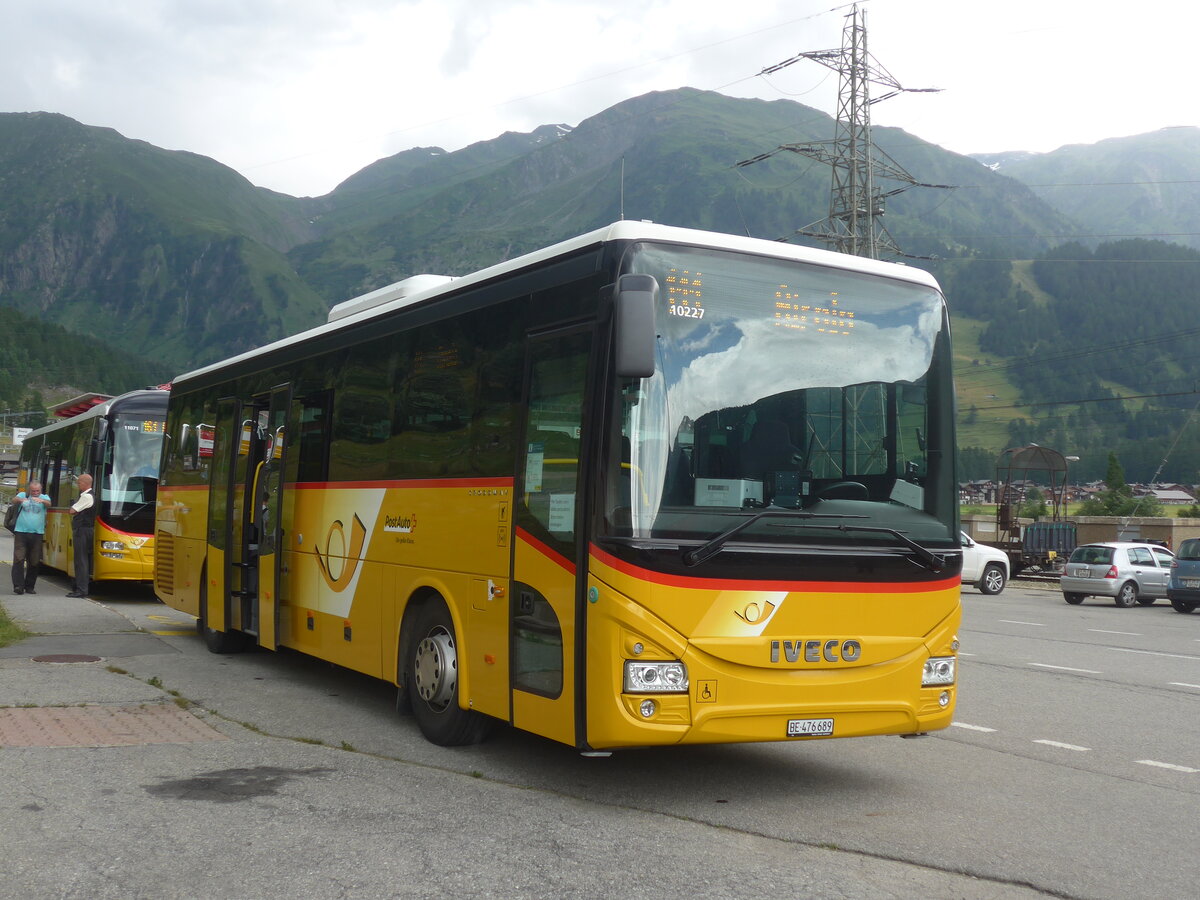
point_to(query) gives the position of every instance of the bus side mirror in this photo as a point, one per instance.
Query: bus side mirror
(97, 453)
(634, 311)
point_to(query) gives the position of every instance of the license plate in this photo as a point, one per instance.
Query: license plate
(1191, 582)
(809, 727)
(1084, 573)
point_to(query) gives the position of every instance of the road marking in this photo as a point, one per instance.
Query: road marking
(1129, 633)
(189, 631)
(960, 653)
(972, 727)
(1066, 668)
(1154, 653)
(1183, 684)
(1014, 622)
(1163, 765)
(1062, 746)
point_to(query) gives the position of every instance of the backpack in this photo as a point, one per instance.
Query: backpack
(10, 516)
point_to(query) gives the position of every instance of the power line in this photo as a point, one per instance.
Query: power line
(854, 224)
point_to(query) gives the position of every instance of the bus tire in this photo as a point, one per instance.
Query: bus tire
(431, 679)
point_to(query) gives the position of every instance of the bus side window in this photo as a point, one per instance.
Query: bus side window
(312, 447)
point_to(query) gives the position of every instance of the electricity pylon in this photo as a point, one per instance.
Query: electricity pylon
(856, 203)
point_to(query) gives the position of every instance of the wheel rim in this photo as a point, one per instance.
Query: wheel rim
(1127, 595)
(435, 669)
(994, 581)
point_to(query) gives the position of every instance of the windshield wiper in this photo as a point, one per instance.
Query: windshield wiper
(931, 561)
(713, 546)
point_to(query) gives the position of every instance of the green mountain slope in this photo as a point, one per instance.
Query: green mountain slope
(1147, 185)
(670, 157)
(162, 253)
(173, 257)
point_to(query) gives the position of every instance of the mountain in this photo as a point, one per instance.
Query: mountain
(670, 157)
(172, 257)
(161, 253)
(1147, 185)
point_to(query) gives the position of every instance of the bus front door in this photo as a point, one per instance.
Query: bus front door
(545, 596)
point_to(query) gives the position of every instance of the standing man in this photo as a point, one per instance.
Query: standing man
(27, 539)
(83, 530)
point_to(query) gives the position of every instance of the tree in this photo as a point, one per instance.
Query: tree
(1033, 506)
(1118, 499)
(1114, 478)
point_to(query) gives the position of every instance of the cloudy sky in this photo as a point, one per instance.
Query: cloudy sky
(297, 95)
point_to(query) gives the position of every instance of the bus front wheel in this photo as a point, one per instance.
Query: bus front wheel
(431, 679)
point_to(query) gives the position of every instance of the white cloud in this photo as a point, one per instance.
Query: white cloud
(299, 95)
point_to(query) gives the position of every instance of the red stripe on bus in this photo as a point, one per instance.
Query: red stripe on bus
(553, 555)
(411, 483)
(729, 584)
(100, 521)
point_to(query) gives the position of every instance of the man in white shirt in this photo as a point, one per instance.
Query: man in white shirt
(83, 531)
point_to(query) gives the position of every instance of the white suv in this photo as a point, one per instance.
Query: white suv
(984, 566)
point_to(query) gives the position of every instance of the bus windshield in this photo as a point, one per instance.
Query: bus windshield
(785, 386)
(131, 472)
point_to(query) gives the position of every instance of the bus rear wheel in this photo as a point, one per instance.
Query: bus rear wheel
(431, 679)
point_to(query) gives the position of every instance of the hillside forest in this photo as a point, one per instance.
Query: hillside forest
(1071, 276)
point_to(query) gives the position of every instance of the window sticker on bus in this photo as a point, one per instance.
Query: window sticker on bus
(534, 464)
(562, 512)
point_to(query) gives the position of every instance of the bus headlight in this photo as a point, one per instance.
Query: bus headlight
(643, 677)
(938, 670)
(111, 545)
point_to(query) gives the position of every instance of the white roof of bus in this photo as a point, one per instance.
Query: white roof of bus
(100, 409)
(396, 296)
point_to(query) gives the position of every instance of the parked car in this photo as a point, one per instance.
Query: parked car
(984, 566)
(1183, 588)
(1128, 571)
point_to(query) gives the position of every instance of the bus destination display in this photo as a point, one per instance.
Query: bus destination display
(787, 308)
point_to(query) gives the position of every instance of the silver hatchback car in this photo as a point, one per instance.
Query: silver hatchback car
(1128, 571)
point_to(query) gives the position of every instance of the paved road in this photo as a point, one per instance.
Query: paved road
(309, 784)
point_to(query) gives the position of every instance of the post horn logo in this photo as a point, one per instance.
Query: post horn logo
(753, 613)
(339, 562)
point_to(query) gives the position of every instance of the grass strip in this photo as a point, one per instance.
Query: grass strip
(10, 632)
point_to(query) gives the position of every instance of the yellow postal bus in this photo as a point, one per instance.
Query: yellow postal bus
(647, 486)
(118, 442)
